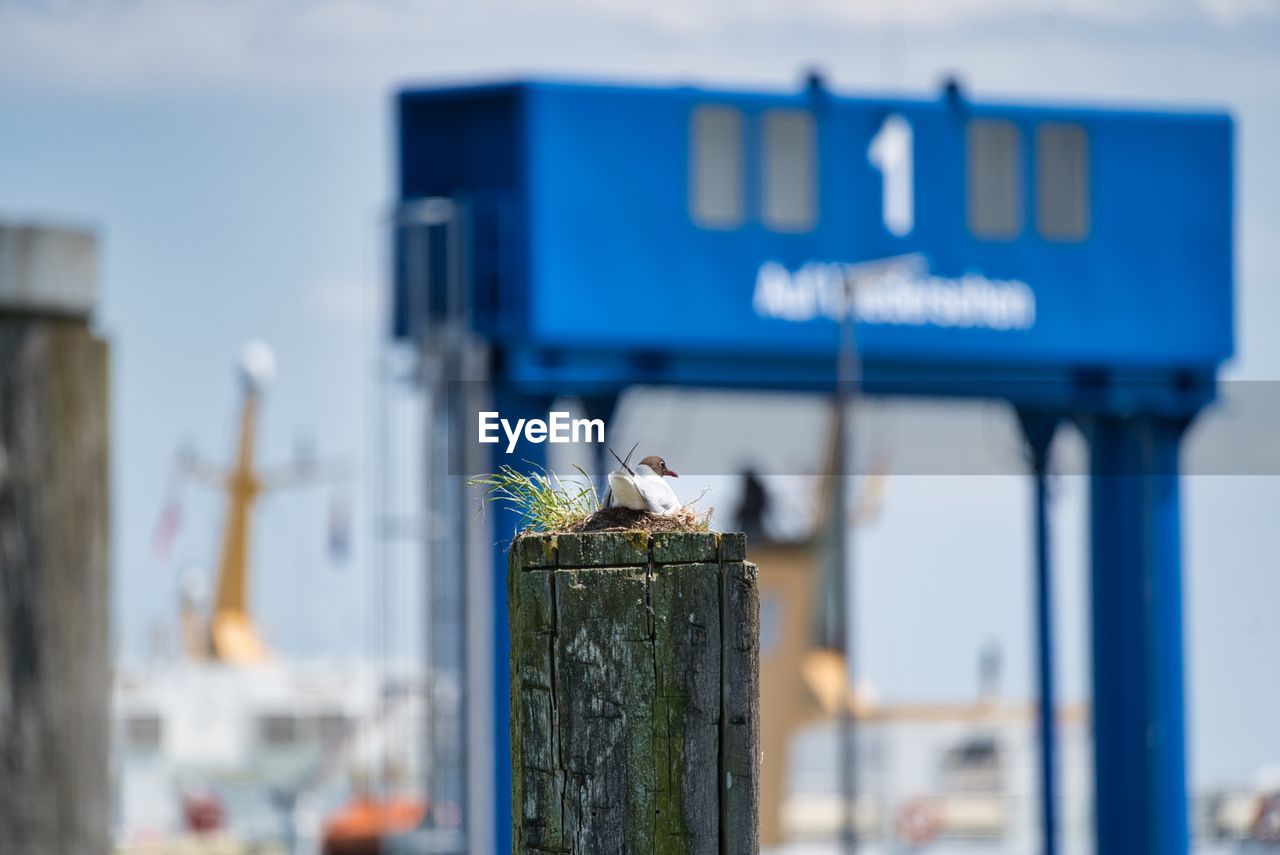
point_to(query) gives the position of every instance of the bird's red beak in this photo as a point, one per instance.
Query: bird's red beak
(672, 474)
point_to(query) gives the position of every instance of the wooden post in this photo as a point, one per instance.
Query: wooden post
(55, 668)
(634, 694)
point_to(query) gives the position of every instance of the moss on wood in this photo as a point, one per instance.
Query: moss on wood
(622, 672)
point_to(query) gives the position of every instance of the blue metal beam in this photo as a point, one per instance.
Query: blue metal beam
(1112, 390)
(1039, 429)
(1140, 793)
(506, 522)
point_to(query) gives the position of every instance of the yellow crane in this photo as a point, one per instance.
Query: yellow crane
(233, 637)
(229, 634)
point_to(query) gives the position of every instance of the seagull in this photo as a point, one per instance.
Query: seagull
(644, 489)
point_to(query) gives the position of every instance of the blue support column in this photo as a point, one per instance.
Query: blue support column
(1140, 789)
(602, 407)
(1039, 429)
(512, 405)
(1168, 725)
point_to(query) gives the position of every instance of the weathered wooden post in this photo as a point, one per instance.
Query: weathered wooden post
(55, 666)
(634, 694)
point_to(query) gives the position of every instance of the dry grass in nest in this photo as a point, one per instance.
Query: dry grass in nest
(626, 519)
(548, 504)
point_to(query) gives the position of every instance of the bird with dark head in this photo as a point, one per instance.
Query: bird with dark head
(658, 466)
(644, 489)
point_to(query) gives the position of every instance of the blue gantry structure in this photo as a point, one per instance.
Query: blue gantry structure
(1076, 262)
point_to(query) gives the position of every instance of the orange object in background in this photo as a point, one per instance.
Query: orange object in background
(203, 812)
(358, 827)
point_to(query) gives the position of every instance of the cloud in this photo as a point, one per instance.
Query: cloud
(328, 45)
(1231, 13)
(131, 43)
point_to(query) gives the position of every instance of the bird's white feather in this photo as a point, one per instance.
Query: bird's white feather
(658, 496)
(644, 491)
(625, 494)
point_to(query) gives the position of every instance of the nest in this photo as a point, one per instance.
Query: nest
(626, 519)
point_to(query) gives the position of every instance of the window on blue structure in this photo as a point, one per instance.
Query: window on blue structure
(994, 179)
(1062, 181)
(790, 164)
(715, 167)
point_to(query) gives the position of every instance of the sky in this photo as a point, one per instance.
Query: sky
(235, 159)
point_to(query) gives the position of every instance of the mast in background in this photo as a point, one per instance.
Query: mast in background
(230, 634)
